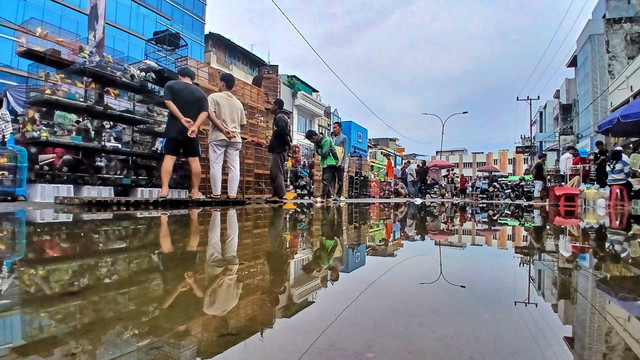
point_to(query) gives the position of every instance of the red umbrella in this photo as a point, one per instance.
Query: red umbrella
(439, 235)
(488, 169)
(440, 164)
(487, 232)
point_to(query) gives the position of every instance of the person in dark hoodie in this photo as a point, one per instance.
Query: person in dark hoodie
(279, 145)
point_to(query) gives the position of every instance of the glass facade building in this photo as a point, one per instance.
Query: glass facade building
(128, 24)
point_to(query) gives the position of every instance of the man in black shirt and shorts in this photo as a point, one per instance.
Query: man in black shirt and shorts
(539, 177)
(187, 104)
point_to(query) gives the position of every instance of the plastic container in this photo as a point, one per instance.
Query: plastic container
(23, 167)
(8, 171)
(47, 192)
(94, 191)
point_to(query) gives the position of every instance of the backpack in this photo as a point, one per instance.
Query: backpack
(337, 152)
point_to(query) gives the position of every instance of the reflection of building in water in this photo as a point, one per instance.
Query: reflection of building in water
(570, 288)
(113, 306)
(503, 238)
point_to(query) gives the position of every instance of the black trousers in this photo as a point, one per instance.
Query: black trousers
(328, 176)
(340, 180)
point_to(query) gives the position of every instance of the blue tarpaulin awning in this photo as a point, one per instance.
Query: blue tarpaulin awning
(624, 122)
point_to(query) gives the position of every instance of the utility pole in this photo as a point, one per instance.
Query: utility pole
(530, 100)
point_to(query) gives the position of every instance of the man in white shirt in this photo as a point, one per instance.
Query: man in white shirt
(227, 118)
(412, 180)
(566, 161)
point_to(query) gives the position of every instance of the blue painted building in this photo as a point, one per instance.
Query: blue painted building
(128, 24)
(358, 138)
(353, 258)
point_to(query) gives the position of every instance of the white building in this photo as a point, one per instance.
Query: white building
(307, 111)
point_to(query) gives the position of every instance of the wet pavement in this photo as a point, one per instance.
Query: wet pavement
(360, 281)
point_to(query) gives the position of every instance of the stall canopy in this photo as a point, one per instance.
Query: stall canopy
(440, 164)
(624, 122)
(488, 169)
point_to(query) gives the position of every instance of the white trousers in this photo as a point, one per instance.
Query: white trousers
(221, 254)
(219, 151)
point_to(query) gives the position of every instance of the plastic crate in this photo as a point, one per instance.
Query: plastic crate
(47, 216)
(94, 191)
(144, 193)
(48, 192)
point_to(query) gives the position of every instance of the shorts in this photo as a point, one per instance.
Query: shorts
(188, 148)
(538, 186)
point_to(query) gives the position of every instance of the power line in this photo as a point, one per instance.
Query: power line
(583, 110)
(340, 79)
(562, 43)
(547, 48)
(556, 71)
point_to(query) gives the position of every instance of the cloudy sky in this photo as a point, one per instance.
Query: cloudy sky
(405, 57)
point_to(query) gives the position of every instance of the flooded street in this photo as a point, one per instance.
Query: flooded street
(360, 281)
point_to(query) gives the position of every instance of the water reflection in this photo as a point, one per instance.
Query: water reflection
(196, 283)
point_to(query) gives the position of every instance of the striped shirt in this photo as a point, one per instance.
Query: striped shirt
(619, 173)
(5, 125)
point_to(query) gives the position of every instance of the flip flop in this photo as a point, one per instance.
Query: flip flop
(163, 197)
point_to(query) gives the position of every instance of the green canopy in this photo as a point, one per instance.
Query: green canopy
(516, 178)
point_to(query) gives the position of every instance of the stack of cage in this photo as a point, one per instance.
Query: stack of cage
(254, 157)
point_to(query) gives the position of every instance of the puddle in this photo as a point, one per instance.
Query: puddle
(361, 281)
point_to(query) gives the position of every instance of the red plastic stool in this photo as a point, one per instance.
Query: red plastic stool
(618, 219)
(568, 197)
(618, 191)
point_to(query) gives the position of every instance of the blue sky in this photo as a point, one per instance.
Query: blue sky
(405, 57)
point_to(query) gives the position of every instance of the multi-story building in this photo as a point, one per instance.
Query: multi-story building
(508, 162)
(358, 138)
(590, 63)
(564, 113)
(129, 23)
(224, 54)
(452, 151)
(546, 131)
(307, 109)
(379, 150)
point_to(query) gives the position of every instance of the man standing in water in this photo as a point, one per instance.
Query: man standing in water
(187, 105)
(341, 141)
(279, 145)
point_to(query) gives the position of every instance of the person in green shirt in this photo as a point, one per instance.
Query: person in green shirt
(328, 160)
(327, 246)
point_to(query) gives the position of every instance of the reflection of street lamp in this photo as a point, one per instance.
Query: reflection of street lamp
(441, 273)
(443, 124)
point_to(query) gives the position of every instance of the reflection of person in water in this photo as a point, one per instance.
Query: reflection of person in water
(176, 260)
(277, 258)
(326, 248)
(223, 289)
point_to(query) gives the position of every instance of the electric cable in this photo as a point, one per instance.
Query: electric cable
(547, 48)
(342, 81)
(562, 43)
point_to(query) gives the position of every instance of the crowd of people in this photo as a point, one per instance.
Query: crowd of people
(601, 169)
(189, 109)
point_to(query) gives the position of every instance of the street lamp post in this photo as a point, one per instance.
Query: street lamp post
(443, 124)
(441, 276)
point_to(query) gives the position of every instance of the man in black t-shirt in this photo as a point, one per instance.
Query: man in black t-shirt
(187, 105)
(539, 177)
(600, 160)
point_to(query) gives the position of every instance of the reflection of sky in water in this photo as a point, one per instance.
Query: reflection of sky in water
(329, 283)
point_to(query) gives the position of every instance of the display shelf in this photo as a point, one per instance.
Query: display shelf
(88, 257)
(150, 131)
(109, 79)
(47, 57)
(93, 148)
(95, 112)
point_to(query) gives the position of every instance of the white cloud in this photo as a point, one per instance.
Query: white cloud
(407, 57)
